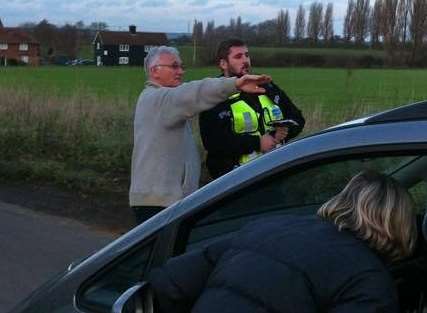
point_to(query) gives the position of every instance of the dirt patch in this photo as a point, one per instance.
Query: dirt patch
(108, 212)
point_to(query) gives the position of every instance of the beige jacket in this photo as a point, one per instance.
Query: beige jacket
(165, 158)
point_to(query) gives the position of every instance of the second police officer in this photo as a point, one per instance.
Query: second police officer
(245, 126)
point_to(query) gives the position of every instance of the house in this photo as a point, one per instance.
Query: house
(17, 46)
(125, 48)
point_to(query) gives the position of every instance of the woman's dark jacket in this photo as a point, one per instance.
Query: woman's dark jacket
(278, 265)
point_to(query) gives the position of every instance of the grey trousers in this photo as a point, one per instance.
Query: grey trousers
(143, 213)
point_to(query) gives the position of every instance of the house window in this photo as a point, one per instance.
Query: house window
(105, 52)
(124, 47)
(3, 46)
(147, 48)
(123, 60)
(98, 46)
(23, 47)
(24, 58)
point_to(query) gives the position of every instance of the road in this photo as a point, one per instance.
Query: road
(34, 247)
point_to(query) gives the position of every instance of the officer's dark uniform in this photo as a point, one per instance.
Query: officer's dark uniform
(231, 131)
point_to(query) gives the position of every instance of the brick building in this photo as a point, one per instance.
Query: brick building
(17, 46)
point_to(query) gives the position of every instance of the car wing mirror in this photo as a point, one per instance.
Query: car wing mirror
(137, 299)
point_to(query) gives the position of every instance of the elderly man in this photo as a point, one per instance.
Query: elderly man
(165, 159)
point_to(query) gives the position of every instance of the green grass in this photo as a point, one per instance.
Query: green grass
(328, 90)
(73, 125)
(338, 91)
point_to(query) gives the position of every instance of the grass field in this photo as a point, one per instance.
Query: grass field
(332, 91)
(73, 125)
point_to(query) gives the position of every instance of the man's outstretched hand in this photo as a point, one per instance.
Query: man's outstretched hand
(251, 83)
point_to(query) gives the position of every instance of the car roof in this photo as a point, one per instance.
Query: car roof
(410, 112)
(321, 141)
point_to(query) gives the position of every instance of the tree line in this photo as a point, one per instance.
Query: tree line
(397, 26)
(62, 41)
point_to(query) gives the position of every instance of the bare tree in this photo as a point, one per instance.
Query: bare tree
(287, 26)
(376, 23)
(403, 20)
(360, 20)
(45, 33)
(283, 27)
(210, 41)
(238, 27)
(315, 21)
(280, 27)
(197, 38)
(348, 28)
(327, 26)
(389, 28)
(299, 30)
(267, 32)
(197, 32)
(67, 41)
(232, 26)
(96, 26)
(418, 27)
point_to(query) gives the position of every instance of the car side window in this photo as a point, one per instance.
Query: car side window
(298, 191)
(100, 292)
(419, 194)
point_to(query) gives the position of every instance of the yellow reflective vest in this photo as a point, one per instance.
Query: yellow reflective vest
(246, 120)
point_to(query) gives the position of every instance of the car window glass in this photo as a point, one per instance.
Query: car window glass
(99, 293)
(299, 192)
(419, 195)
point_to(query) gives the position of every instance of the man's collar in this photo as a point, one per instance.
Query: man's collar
(150, 83)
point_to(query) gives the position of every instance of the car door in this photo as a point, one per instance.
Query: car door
(297, 186)
(302, 190)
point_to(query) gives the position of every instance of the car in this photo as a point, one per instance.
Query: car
(80, 62)
(294, 179)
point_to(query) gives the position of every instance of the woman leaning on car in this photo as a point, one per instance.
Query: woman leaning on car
(332, 262)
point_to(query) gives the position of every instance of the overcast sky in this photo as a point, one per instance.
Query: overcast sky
(154, 15)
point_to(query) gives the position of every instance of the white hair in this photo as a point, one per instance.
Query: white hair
(153, 55)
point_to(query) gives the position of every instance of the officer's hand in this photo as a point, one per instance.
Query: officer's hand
(251, 83)
(267, 143)
(281, 132)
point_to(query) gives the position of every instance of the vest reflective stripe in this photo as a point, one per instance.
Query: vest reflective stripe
(245, 158)
(271, 111)
(246, 119)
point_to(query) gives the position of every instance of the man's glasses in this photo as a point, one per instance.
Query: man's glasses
(174, 66)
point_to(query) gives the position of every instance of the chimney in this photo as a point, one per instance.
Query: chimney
(132, 29)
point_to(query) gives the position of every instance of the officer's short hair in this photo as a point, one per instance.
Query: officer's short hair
(223, 49)
(153, 55)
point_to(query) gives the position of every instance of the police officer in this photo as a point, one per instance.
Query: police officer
(245, 126)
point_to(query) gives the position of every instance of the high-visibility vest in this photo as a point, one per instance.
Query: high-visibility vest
(246, 120)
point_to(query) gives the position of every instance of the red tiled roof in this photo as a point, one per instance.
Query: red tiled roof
(136, 39)
(15, 35)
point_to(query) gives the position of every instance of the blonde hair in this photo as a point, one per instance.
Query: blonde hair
(378, 210)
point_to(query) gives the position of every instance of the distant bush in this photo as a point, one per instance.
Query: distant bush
(295, 57)
(285, 59)
(15, 62)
